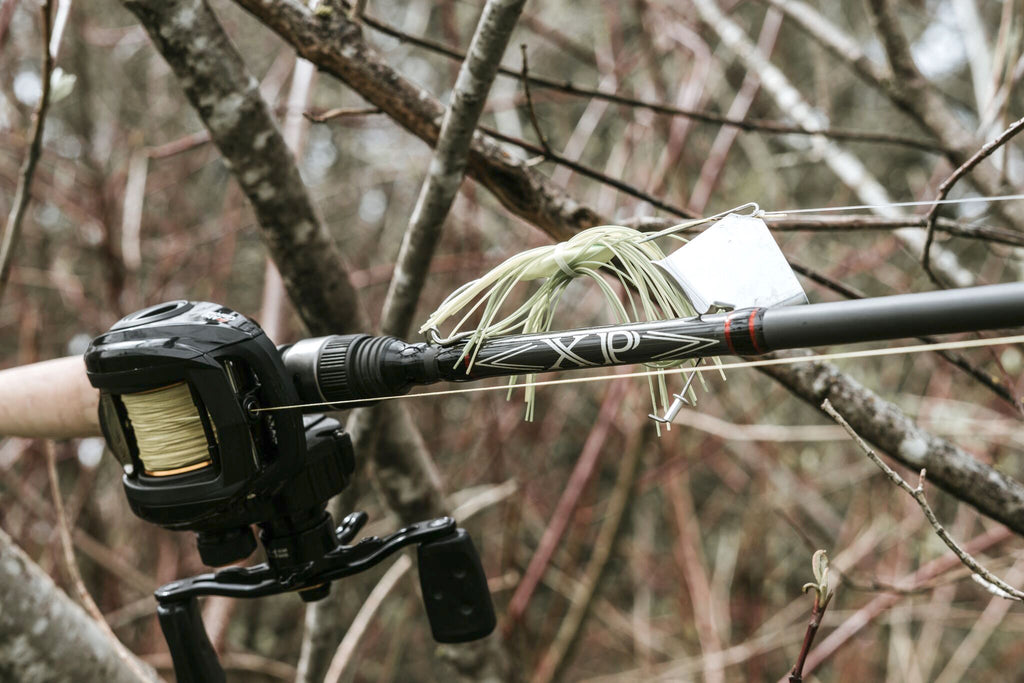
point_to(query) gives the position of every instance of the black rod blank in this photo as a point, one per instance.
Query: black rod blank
(972, 309)
(356, 367)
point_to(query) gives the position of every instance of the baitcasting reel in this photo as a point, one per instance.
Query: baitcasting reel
(180, 385)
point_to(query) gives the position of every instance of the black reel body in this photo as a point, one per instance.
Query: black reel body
(251, 461)
(218, 467)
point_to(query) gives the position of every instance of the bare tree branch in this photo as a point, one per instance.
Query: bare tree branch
(44, 635)
(988, 579)
(831, 223)
(554, 659)
(948, 183)
(75, 576)
(845, 165)
(989, 490)
(227, 98)
(625, 188)
(23, 194)
(343, 656)
(741, 123)
(903, 84)
(448, 164)
(335, 44)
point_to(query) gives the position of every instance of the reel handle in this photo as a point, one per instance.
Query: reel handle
(455, 591)
(194, 658)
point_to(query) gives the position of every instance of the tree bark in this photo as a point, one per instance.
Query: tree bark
(448, 165)
(216, 82)
(227, 97)
(44, 635)
(335, 44)
(951, 468)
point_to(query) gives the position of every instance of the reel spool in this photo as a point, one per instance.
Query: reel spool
(178, 383)
(168, 430)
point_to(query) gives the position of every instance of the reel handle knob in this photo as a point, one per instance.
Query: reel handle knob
(455, 590)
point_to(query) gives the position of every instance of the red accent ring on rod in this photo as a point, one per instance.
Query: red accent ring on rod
(752, 332)
(728, 335)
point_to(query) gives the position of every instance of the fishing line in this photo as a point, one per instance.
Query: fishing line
(928, 202)
(790, 360)
(168, 430)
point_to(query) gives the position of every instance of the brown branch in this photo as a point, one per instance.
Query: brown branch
(336, 45)
(880, 604)
(23, 194)
(227, 98)
(179, 146)
(554, 658)
(904, 85)
(851, 223)
(986, 488)
(744, 124)
(822, 596)
(625, 188)
(340, 113)
(581, 474)
(75, 577)
(908, 89)
(529, 105)
(817, 612)
(990, 581)
(6, 14)
(243, 662)
(826, 223)
(947, 185)
(343, 656)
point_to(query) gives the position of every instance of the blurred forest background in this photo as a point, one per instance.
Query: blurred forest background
(676, 558)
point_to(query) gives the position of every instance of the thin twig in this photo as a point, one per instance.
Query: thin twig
(983, 576)
(529, 104)
(818, 611)
(582, 472)
(71, 567)
(358, 10)
(822, 596)
(947, 185)
(367, 611)
(341, 113)
(554, 658)
(23, 194)
(589, 172)
(243, 662)
(824, 223)
(346, 649)
(744, 124)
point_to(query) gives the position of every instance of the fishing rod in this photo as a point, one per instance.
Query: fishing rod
(205, 415)
(219, 431)
(363, 367)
